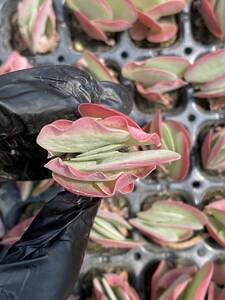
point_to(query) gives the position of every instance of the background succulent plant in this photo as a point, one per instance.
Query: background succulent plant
(168, 222)
(207, 75)
(99, 17)
(33, 188)
(213, 150)
(174, 136)
(14, 62)
(37, 25)
(156, 77)
(156, 20)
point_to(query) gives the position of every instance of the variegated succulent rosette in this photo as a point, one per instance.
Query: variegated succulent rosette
(156, 78)
(98, 18)
(156, 20)
(213, 150)
(213, 12)
(171, 223)
(37, 25)
(175, 137)
(96, 67)
(207, 76)
(113, 286)
(99, 154)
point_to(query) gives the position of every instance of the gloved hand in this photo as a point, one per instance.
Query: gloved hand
(45, 263)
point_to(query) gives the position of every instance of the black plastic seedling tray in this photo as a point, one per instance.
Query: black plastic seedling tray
(195, 189)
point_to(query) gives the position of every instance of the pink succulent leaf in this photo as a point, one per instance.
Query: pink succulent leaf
(113, 218)
(219, 12)
(222, 294)
(206, 148)
(15, 62)
(166, 8)
(107, 243)
(170, 276)
(198, 287)
(115, 280)
(213, 292)
(219, 274)
(112, 25)
(97, 289)
(14, 234)
(207, 68)
(97, 68)
(138, 31)
(156, 124)
(212, 89)
(148, 21)
(176, 288)
(159, 272)
(210, 18)
(168, 31)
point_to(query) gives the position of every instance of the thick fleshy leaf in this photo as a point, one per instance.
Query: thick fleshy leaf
(210, 18)
(138, 31)
(167, 32)
(167, 8)
(213, 292)
(197, 289)
(219, 273)
(148, 21)
(212, 89)
(15, 62)
(206, 147)
(159, 272)
(123, 10)
(219, 12)
(112, 25)
(118, 244)
(207, 68)
(114, 218)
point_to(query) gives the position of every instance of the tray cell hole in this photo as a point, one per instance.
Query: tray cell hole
(191, 118)
(196, 184)
(61, 58)
(188, 50)
(137, 256)
(201, 252)
(124, 54)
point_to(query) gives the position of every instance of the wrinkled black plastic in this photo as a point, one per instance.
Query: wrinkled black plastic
(31, 98)
(45, 263)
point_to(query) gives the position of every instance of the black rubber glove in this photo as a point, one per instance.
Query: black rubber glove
(32, 98)
(45, 263)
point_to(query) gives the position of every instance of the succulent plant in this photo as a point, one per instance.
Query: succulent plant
(216, 289)
(170, 222)
(182, 282)
(33, 188)
(14, 62)
(207, 75)
(15, 233)
(156, 20)
(156, 77)
(97, 154)
(113, 286)
(215, 213)
(213, 12)
(99, 17)
(92, 64)
(110, 230)
(174, 136)
(37, 25)
(213, 150)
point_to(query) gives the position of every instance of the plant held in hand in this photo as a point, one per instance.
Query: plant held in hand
(170, 222)
(174, 136)
(213, 150)
(37, 25)
(97, 154)
(215, 213)
(92, 64)
(113, 286)
(181, 282)
(15, 62)
(110, 230)
(156, 20)
(213, 12)
(99, 17)
(157, 77)
(207, 75)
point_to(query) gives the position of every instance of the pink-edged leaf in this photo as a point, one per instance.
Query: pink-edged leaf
(207, 68)
(112, 25)
(166, 8)
(178, 127)
(206, 148)
(15, 62)
(219, 273)
(213, 292)
(168, 31)
(197, 289)
(118, 244)
(90, 28)
(176, 288)
(222, 295)
(212, 89)
(156, 124)
(159, 272)
(113, 218)
(148, 21)
(39, 25)
(210, 18)
(14, 234)
(170, 276)
(138, 31)
(214, 228)
(115, 280)
(216, 150)
(91, 62)
(97, 288)
(219, 12)
(123, 10)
